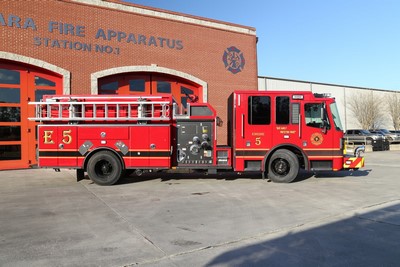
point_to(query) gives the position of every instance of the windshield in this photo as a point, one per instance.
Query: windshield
(336, 118)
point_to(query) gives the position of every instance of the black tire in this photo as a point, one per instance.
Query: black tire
(283, 166)
(104, 168)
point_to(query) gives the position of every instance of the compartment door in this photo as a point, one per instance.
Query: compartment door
(150, 146)
(57, 146)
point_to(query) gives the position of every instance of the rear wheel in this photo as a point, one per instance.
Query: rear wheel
(104, 168)
(283, 166)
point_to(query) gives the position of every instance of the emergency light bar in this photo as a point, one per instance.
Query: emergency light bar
(322, 95)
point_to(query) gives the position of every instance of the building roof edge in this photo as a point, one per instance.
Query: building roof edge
(160, 13)
(329, 84)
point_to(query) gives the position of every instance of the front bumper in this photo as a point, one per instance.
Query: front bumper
(353, 162)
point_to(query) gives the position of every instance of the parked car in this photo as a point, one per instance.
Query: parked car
(359, 136)
(392, 137)
(362, 136)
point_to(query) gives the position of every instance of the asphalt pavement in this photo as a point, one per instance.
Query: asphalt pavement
(322, 219)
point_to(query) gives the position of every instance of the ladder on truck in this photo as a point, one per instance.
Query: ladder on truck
(102, 108)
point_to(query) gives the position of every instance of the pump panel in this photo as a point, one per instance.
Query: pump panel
(194, 143)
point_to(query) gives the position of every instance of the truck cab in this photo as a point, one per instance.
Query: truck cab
(280, 132)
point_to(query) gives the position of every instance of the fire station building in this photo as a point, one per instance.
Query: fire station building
(112, 47)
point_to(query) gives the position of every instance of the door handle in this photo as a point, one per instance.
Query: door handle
(299, 125)
(242, 125)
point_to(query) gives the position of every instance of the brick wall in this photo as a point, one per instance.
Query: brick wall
(32, 29)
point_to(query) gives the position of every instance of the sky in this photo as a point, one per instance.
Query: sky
(345, 42)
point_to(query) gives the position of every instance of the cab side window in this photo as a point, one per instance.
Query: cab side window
(282, 110)
(259, 110)
(315, 114)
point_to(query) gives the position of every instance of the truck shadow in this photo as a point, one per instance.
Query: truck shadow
(167, 176)
(231, 176)
(304, 175)
(342, 174)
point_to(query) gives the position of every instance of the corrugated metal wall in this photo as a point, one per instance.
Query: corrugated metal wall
(342, 94)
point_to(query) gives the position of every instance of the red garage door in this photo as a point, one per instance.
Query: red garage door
(20, 84)
(150, 83)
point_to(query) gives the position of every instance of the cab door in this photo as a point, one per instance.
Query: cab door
(286, 114)
(318, 134)
(252, 130)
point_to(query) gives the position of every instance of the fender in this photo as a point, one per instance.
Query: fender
(288, 146)
(91, 153)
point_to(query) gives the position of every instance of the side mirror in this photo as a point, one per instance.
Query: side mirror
(324, 126)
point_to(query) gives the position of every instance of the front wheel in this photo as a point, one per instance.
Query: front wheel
(283, 166)
(104, 168)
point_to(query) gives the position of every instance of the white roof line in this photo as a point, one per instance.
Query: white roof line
(170, 16)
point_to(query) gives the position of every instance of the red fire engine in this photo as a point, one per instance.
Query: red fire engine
(275, 133)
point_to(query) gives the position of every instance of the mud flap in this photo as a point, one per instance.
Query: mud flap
(80, 174)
